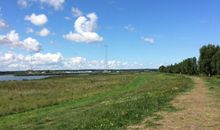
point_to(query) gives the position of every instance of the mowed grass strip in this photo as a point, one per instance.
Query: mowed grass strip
(114, 107)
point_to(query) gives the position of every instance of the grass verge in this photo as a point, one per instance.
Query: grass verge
(214, 85)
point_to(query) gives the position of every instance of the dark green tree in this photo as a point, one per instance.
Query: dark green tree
(162, 68)
(216, 63)
(209, 63)
(187, 66)
(205, 59)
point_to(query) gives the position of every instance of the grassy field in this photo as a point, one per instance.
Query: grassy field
(105, 101)
(214, 86)
(26, 95)
(214, 90)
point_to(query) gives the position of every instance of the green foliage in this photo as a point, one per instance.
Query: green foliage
(208, 59)
(208, 64)
(216, 63)
(111, 107)
(187, 66)
(214, 85)
(162, 68)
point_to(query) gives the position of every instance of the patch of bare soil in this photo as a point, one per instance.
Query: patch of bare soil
(197, 110)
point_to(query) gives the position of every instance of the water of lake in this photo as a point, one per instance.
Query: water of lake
(20, 78)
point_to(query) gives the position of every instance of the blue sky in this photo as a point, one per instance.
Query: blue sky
(139, 34)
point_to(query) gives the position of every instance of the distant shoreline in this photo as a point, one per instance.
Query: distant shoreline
(70, 72)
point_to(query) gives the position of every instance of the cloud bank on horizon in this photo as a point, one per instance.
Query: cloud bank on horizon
(39, 61)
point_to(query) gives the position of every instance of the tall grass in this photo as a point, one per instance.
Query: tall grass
(214, 85)
(19, 96)
(114, 102)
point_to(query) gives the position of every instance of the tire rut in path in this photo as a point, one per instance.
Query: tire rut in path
(197, 110)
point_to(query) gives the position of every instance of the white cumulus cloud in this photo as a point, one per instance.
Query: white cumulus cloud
(74, 62)
(12, 39)
(44, 32)
(85, 30)
(48, 58)
(76, 12)
(37, 20)
(31, 44)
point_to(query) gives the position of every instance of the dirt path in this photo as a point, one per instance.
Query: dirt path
(197, 111)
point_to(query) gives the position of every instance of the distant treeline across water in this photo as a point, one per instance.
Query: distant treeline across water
(208, 63)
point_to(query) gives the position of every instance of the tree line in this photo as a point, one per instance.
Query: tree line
(208, 63)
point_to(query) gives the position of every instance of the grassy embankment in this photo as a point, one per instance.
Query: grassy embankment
(87, 102)
(214, 86)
